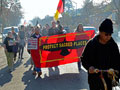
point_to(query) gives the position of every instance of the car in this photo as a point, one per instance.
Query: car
(8, 29)
(67, 29)
(119, 34)
(86, 28)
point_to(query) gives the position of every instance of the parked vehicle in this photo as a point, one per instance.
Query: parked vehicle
(8, 29)
(86, 28)
(119, 34)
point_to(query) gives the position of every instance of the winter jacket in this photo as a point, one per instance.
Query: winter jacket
(101, 56)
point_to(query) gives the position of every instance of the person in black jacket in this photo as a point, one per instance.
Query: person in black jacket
(101, 53)
(8, 47)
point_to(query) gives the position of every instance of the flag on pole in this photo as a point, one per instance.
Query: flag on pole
(60, 9)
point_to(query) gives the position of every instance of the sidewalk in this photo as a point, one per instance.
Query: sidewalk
(3, 61)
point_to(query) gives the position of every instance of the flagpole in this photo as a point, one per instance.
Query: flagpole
(63, 20)
(63, 13)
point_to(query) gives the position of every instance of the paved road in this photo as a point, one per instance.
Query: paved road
(65, 77)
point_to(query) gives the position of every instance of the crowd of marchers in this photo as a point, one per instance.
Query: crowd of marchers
(100, 53)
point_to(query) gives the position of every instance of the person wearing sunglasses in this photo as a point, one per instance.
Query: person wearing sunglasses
(101, 53)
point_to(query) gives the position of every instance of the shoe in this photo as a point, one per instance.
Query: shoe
(14, 59)
(39, 74)
(34, 73)
(11, 69)
(22, 58)
(31, 66)
(19, 57)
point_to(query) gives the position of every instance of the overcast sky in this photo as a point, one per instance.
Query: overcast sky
(41, 8)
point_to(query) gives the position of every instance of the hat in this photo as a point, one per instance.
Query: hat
(106, 26)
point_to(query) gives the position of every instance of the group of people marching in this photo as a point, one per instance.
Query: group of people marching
(56, 28)
(14, 44)
(101, 52)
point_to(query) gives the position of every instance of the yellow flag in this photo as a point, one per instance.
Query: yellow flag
(56, 15)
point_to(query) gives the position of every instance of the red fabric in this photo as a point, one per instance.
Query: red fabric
(60, 7)
(36, 56)
(43, 58)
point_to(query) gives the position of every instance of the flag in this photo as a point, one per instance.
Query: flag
(60, 49)
(60, 9)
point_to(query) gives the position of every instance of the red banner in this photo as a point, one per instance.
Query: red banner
(60, 49)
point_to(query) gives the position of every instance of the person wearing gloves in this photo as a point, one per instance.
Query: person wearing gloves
(101, 53)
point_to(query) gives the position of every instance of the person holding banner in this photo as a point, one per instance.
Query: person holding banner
(60, 28)
(79, 29)
(36, 35)
(101, 53)
(53, 30)
(45, 30)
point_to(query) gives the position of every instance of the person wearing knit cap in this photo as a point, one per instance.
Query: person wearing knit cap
(101, 53)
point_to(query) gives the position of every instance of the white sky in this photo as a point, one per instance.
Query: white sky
(41, 8)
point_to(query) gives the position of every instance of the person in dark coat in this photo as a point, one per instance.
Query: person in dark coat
(8, 48)
(101, 53)
(79, 28)
(60, 28)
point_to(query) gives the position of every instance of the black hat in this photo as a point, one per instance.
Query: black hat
(106, 26)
